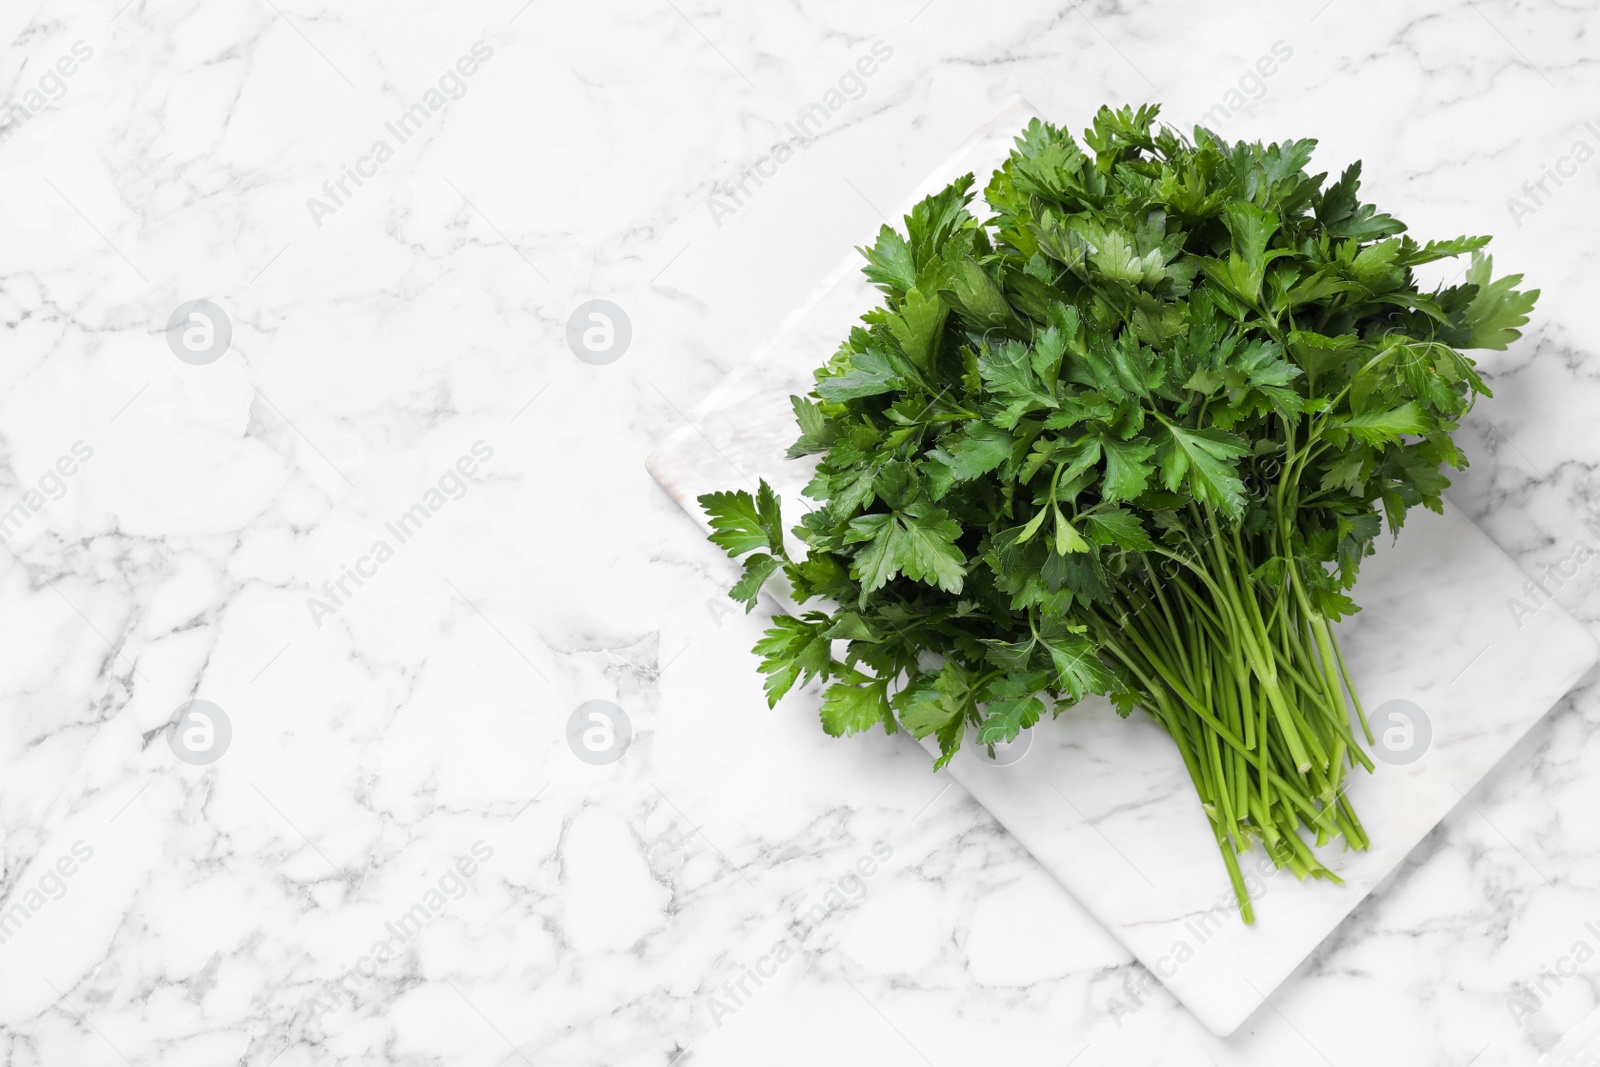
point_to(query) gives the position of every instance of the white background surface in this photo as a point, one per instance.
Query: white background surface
(428, 313)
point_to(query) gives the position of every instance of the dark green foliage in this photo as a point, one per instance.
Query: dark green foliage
(1130, 435)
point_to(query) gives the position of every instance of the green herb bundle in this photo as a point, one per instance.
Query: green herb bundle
(1131, 436)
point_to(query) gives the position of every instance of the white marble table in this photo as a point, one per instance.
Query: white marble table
(231, 912)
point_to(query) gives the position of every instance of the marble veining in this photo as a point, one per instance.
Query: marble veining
(158, 911)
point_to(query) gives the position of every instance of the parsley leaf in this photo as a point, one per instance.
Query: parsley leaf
(1128, 435)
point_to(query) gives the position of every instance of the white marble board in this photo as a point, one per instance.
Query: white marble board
(1105, 804)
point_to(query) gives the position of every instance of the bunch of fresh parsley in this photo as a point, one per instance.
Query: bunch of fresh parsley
(1131, 436)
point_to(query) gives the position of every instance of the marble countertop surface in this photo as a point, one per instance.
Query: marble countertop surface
(364, 701)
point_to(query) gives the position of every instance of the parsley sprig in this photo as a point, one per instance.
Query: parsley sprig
(1130, 435)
